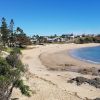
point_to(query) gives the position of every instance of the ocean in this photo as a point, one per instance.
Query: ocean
(89, 54)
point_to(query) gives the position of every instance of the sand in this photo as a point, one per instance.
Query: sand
(48, 77)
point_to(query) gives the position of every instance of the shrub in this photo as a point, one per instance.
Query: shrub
(11, 70)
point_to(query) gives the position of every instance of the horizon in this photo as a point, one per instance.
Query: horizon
(49, 17)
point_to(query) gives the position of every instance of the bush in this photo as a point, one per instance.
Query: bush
(16, 51)
(87, 39)
(11, 70)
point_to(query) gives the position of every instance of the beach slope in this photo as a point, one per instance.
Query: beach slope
(50, 68)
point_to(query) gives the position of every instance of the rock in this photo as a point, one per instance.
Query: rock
(97, 99)
(80, 80)
(91, 71)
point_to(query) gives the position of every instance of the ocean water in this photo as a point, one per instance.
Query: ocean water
(89, 54)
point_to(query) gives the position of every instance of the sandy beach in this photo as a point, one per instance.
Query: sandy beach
(50, 67)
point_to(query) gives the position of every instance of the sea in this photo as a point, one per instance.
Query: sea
(89, 54)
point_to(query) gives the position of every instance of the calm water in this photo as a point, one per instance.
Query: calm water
(90, 54)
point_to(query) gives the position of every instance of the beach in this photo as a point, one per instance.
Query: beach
(50, 66)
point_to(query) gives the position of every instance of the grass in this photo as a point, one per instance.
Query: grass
(7, 49)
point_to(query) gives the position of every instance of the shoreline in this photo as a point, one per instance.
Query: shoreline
(66, 58)
(52, 84)
(82, 59)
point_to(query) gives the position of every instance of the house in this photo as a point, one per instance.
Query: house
(56, 39)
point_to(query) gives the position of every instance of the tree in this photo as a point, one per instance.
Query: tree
(55, 35)
(11, 25)
(19, 30)
(11, 70)
(12, 35)
(79, 41)
(22, 38)
(4, 32)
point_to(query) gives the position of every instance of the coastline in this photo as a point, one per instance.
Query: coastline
(72, 54)
(63, 57)
(52, 84)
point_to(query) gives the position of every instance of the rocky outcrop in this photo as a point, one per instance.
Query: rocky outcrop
(80, 80)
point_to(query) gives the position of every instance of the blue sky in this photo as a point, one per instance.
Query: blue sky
(46, 17)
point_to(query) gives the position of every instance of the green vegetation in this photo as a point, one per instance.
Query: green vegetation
(4, 31)
(11, 67)
(11, 70)
(87, 39)
(7, 49)
(12, 38)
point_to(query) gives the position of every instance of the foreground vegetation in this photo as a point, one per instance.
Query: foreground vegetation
(11, 67)
(11, 70)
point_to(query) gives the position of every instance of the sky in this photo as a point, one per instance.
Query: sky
(48, 17)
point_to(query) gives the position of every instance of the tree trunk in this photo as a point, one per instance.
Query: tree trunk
(10, 92)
